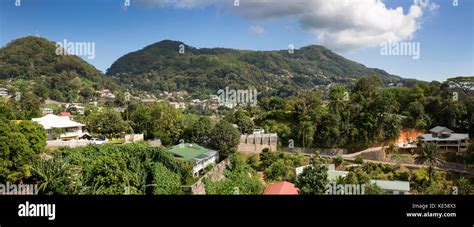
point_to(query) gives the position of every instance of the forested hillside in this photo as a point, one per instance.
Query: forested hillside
(171, 65)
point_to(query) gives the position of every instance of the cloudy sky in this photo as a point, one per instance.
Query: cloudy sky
(356, 29)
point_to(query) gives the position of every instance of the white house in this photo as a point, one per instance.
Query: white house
(69, 129)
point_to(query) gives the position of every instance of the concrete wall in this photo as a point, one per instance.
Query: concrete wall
(255, 143)
(154, 143)
(215, 174)
(376, 153)
(71, 143)
(132, 138)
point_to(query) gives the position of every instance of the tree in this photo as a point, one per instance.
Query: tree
(158, 121)
(57, 177)
(27, 107)
(466, 84)
(314, 179)
(109, 176)
(368, 84)
(15, 153)
(278, 171)
(417, 114)
(429, 155)
(240, 178)
(107, 122)
(199, 132)
(373, 189)
(329, 132)
(358, 176)
(57, 132)
(225, 138)
(35, 134)
(141, 121)
(338, 96)
(244, 122)
(87, 93)
(464, 186)
(305, 132)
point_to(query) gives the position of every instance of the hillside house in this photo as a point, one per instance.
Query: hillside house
(446, 140)
(68, 129)
(198, 155)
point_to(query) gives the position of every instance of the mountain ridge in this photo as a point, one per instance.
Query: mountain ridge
(161, 66)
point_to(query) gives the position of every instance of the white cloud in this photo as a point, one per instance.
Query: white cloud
(257, 29)
(343, 25)
(178, 3)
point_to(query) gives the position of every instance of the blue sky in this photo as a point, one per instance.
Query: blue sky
(444, 32)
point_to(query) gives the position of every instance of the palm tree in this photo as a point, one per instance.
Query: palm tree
(306, 132)
(464, 186)
(429, 155)
(56, 176)
(338, 97)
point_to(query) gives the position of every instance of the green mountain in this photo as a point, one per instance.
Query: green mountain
(31, 64)
(162, 67)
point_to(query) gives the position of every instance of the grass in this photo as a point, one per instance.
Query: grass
(51, 106)
(117, 140)
(406, 158)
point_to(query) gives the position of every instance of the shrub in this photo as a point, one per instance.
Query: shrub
(209, 167)
(359, 160)
(279, 171)
(254, 161)
(401, 175)
(240, 178)
(373, 189)
(338, 160)
(165, 181)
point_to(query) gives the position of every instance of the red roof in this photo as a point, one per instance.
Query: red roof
(65, 114)
(281, 188)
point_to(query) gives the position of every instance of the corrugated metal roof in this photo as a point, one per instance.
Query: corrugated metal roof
(192, 152)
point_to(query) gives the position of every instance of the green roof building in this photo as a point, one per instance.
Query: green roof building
(393, 187)
(198, 155)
